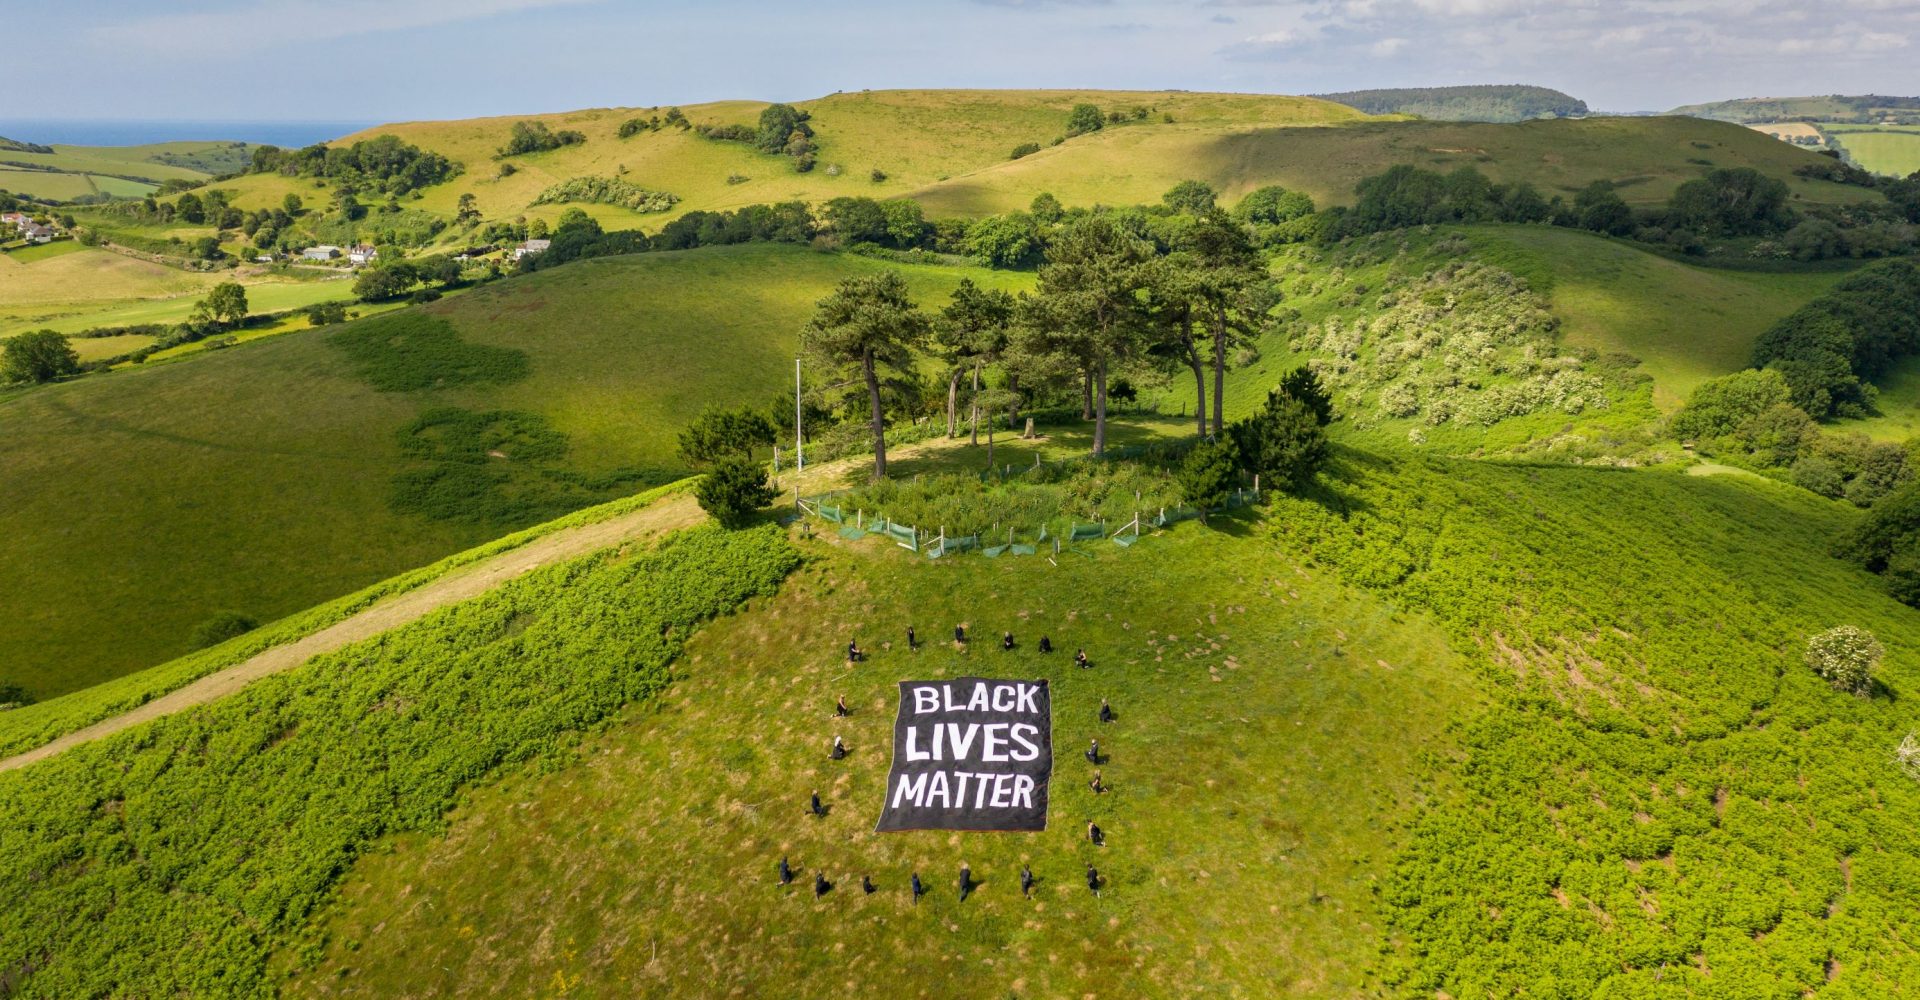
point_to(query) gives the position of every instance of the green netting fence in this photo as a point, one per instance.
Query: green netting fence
(1049, 537)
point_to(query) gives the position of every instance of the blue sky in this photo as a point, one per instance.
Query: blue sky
(410, 59)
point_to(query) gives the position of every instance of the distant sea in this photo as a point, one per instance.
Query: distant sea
(101, 132)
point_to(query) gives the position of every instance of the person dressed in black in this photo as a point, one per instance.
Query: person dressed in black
(959, 635)
(913, 641)
(786, 873)
(1094, 836)
(1106, 712)
(1026, 881)
(853, 651)
(840, 709)
(1093, 879)
(814, 806)
(1096, 784)
(867, 886)
(1046, 644)
(1006, 642)
(918, 889)
(820, 885)
(839, 750)
(966, 881)
(1080, 659)
(1093, 756)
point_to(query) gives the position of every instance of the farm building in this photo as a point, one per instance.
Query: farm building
(321, 252)
(362, 254)
(531, 247)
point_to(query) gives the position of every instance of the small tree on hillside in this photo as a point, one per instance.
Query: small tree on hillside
(40, 356)
(733, 490)
(227, 302)
(1846, 656)
(1283, 443)
(1304, 384)
(14, 696)
(866, 327)
(222, 626)
(1085, 118)
(718, 434)
(1190, 197)
(1210, 473)
(971, 333)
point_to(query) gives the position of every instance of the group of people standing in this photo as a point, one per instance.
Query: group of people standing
(967, 884)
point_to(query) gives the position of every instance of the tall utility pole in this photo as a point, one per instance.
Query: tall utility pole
(799, 440)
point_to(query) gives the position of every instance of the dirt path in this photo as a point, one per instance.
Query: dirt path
(676, 511)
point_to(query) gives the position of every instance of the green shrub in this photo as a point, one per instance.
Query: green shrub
(734, 490)
(1846, 657)
(221, 627)
(607, 191)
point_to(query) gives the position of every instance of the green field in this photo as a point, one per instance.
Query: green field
(68, 287)
(260, 478)
(1884, 149)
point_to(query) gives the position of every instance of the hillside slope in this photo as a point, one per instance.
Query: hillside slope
(1646, 157)
(270, 476)
(1479, 103)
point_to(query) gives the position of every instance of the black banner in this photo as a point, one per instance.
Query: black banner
(972, 753)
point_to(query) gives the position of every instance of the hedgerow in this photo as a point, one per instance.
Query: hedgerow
(1663, 801)
(175, 858)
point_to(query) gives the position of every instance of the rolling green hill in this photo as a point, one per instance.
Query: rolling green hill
(68, 172)
(263, 478)
(1481, 103)
(1646, 157)
(1866, 108)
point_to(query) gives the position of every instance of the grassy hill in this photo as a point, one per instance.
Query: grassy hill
(916, 137)
(1832, 107)
(1685, 323)
(1647, 157)
(1481, 103)
(263, 478)
(951, 150)
(1436, 726)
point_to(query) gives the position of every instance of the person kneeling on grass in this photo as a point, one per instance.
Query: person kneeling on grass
(1093, 752)
(840, 709)
(867, 886)
(1096, 784)
(913, 641)
(959, 635)
(918, 889)
(966, 881)
(1106, 711)
(786, 873)
(853, 651)
(839, 749)
(814, 806)
(1093, 879)
(1094, 836)
(820, 884)
(1046, 644)
(1006, 642)
(1026, 881)
(1080, 659)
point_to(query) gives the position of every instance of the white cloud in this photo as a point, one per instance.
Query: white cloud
(1387, 47)
(1283, 36)
(254, 25)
